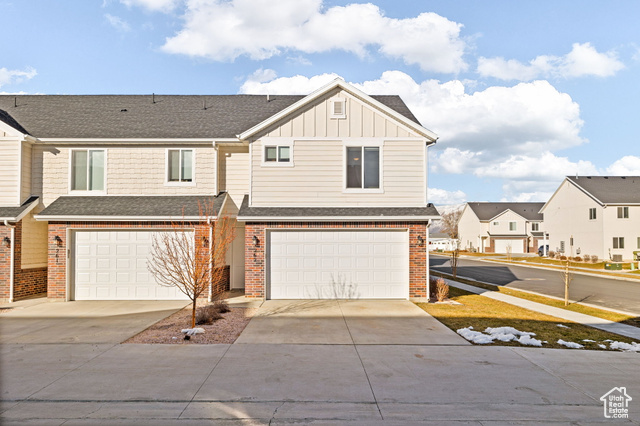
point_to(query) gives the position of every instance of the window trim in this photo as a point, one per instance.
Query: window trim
(535, 225)
(193, 168)
(72, 191)
(332, 114)
(515, 225)
(623, 212)
(619, 242)
(277, 142)
(367, 143)
(595, 214)
(495, 223)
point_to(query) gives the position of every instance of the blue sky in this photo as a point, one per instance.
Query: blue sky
(521, 93)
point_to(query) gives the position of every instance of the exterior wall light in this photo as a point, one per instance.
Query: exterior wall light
(420, 241)
(7, 242)
(256, 241)
(205, 242)
(58, 240)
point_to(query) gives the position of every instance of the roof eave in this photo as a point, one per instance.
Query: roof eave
(335, 218)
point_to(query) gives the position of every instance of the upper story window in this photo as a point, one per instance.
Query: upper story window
(88, 169)
(338, 108)
(592, 213)
(535, 226)
(180, 166)
(618, 242)
(278, 154)
(496, 223)
(512, 226)
(623, 212)
(363, 167)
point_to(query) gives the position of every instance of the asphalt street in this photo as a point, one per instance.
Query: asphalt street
(595, 290)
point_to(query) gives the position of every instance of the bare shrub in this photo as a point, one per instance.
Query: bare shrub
(594, 258)
(577, 259)
(221, 306)
(587, 258)
(442, 290)
(207, 314)
(552, 254)
(563, 257)
(433, 285)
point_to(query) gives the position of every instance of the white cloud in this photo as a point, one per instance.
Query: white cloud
(442, 196)
(16, 76)
(545, 167)
(224, 30)
(118, 23)
(583, 60)
(296, 85)
(153, 5)
(626, 166)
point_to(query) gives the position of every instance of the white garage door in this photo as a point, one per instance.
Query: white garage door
(112, 265)
(517, 246)
(338, 265)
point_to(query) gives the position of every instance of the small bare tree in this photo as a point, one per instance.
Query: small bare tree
(567, 276)
(454, 257)
(177, 260)
(449, 223)
(509, 249)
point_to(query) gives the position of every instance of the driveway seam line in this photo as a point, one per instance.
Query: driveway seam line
(375, 399)
(71, 371)
(203, 382)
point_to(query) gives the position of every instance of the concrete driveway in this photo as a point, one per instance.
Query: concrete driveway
(346, 322)
(82, 321)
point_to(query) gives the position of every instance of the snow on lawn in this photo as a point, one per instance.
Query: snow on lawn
(633, 347)
(571, 345)
(562, 326)
(588, 340)
(504, 334)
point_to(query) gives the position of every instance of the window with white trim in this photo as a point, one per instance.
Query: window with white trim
(363, 167)
(535, 226)
(592, 213)
(512, 226)
(338, 108)
(623, 212)
(277, 154)
(88, 170)
(496, 223)
(180, 165)
(618, 242)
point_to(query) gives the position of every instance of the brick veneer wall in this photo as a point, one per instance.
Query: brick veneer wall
(255, 262)
(57, 281)
(27, 282)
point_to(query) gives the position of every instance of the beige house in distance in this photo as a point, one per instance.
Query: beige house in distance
(595, 215)
(497, 227)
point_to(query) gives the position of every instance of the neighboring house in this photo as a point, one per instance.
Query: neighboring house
(498, 227)
(441, 241)
(329, 191)
(595, 215)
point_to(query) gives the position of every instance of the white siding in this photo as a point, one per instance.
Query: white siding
(503, 221)
(10, 173)
(25, 185)
(317, 178)
(130, 171)
(627, 228)
(469, 230)
(234, 174)
(34, 243)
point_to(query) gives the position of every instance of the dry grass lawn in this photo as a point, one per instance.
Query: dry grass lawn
(482, 312)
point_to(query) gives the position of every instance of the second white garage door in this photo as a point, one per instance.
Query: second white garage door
(112, 265)
(338, 264)
(517, 246)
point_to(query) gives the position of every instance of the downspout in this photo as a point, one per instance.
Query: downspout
(13, 259)
(426, 247)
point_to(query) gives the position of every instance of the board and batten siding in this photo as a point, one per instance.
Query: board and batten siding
(233, 174)
(34, 243)
(317, 178)
(131, 170)
(25, 185)
(10, 173)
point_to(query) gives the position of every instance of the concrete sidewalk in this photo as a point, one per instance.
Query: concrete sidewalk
(588, 320)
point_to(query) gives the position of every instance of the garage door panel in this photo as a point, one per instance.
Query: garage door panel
(338, 264)
(112, 265)
(517, 246)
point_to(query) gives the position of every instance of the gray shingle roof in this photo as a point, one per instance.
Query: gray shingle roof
(10, 213)
(131, 206)
(368, 213)
(610, 189)
(487, 211)
(135, 116)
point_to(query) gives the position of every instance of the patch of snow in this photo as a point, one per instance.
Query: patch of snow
(601, 346)
(588, 340)
(562, 326)
(474, 336)
(507, 330)
(529, 341)
(633, 347)
(571, 345)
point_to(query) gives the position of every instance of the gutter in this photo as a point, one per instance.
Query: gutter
(13, 259)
